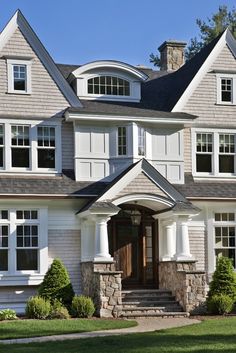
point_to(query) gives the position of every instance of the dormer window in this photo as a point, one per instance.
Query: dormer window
(19, 76)
(108, 85)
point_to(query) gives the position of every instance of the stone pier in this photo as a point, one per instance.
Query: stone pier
(102, 283)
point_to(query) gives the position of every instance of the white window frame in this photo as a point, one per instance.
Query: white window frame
(126, 141)
(25, 277)
(10, 75)
(215, 153)
(219, 77)
(33, 158)
(141, 128)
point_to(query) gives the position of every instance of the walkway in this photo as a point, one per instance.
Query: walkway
(144, 325)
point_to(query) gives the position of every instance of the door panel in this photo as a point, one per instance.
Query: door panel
(127, 252)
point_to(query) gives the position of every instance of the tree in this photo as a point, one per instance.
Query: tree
(56, 284)
(209, 30)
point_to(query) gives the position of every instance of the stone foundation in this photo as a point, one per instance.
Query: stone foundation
(102, 283)
(186, 283)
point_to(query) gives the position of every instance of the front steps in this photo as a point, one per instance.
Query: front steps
(150, 303)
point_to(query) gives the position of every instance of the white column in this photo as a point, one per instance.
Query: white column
(101, 240)
(182, 240)
(169, 241)
(87, 239)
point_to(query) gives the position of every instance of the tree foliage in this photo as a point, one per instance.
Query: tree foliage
(209, 30)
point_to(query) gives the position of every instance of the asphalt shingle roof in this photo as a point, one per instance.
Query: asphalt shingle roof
(58, 185)
(207, 189)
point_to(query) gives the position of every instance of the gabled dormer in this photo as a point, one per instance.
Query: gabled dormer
(108, 80)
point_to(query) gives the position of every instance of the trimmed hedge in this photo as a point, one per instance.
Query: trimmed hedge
(38, 308)
(82, 306)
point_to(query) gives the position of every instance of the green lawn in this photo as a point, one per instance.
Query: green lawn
(33, 328)
(211, 336)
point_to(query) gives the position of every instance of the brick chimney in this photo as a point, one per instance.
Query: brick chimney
(172, 55)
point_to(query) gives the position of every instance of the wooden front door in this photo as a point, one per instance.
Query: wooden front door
(128, 253)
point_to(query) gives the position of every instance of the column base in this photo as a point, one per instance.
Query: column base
(103, 259)
(184, 257)
(167, 258)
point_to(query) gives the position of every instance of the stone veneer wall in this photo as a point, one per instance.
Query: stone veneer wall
(186, 283)
(102, 283)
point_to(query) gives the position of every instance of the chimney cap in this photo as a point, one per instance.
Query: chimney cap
(172, 43)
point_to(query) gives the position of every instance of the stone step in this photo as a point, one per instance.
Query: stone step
(170, 314)
(152, 309)
(148, 298)
(146, 291)
(135, 304)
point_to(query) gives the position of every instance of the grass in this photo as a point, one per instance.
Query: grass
(211, 336)
(33, 328)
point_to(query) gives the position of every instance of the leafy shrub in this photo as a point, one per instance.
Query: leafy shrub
(220, 304)
(7, 314)
(58, 311)
(38, 308)
(223, 280)
(56, 284)
(82, 306)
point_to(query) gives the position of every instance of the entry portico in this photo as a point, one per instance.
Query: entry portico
(134, 248)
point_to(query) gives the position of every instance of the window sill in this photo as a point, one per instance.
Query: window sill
(19, 93)
(226, 104)
(21, 280)
(214, 177)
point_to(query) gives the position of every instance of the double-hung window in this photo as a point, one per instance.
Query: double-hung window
(20, 146)
(214, 153)
(4, 240)
(204, 152)
(224, 235)
(122, 140)
(46, 147)
(19, 76)
(27, 242)
(2, 146)
(226, 89)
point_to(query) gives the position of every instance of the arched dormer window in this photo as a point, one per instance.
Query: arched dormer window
(108, 85)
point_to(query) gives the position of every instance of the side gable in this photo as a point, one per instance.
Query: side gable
(220, 42)
(18, 40)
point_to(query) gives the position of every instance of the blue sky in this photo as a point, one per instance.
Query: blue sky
(78, 31)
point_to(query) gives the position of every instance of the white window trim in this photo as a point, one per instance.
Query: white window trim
(218, 87)
(215, 153)
(10, 76)
(33, 168)
(126, 142)
(211, 232)
(12, 276)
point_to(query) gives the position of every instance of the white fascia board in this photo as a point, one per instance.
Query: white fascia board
(118, 65)
(19, 21)
(84, 117)
(125, 180)
(225, 38)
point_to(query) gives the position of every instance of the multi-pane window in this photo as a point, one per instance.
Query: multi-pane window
(19, 78)
(108, 85)
(204, 152)
(27, 240)
(1, 146)
(141, 141)
(4, 240)
(46, 147)
(224, 235)
(226, 89)
(226, 153)
(20, 146)
(122, 140)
